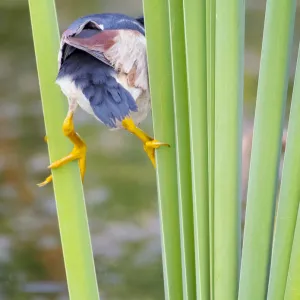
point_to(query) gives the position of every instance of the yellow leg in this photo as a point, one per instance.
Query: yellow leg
(78, 152)
(150, 144)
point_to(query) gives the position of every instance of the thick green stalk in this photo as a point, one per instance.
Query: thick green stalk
(194, 16)
(289, 196)
(292, 291)
(266, 148)
(160, 72)
(68, 190)
(228, 133)
(210, 50)
(183, 148)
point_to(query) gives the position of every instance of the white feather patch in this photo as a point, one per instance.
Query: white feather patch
(128, 54)
(74, 94)
(141, 97)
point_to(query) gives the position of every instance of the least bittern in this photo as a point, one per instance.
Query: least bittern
(103, 69)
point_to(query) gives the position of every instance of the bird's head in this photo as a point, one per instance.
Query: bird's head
(108, 21)
(90, 25)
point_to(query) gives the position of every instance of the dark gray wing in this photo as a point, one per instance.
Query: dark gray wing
(108, 99)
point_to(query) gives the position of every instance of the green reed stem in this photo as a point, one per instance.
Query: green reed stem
(229, 62)
(183, 148)
(289, 196)
(210, 50)
(194, 17)
(266, 148)
(160, 72)
(72, 217)
(292, 291)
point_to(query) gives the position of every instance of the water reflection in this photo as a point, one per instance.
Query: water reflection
(119, 187)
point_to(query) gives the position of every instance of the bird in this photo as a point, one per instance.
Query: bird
(102, 68)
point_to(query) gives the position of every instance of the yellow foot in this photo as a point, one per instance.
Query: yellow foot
(150, 144)
(78, 152)
(46, 181)
(150, 147)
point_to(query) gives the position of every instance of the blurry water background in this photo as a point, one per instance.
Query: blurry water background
(120, 185)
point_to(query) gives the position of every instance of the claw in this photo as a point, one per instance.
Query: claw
(150, 144)
(149, 148)
(78, 152)
(46, 181)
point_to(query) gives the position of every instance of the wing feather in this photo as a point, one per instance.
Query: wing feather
(122, 49)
